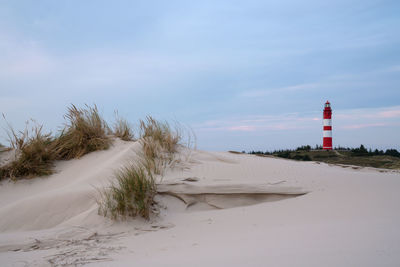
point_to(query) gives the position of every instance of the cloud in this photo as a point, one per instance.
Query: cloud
(368, 113)
(244, 128)
(342, 119)
(289, 121)
(390, 114)
(366, 125)
(23, 59)
(367, 118)
(30, 64)
(292, 88)
(395, 68)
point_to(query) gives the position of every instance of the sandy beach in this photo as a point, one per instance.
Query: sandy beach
(213, 209)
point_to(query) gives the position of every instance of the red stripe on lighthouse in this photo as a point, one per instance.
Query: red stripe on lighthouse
(327, 116)
(327, 143)
(327, 128)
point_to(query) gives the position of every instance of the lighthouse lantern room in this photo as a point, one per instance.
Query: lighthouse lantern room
(327, 136)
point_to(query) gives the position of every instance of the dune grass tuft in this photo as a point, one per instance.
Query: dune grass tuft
(131, 194)
(34, 153)
(123, 129)
(152, 156)
(85, 131)
(159, 142)
(160, 132)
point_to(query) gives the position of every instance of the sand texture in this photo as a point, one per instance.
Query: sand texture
(213, 209)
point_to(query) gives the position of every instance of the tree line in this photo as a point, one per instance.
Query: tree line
(359, 151)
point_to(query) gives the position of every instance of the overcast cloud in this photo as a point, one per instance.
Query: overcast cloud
(243, 74)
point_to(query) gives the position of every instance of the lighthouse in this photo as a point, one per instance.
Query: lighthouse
(327, 140)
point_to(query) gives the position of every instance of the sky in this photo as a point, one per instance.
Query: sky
(243, 75)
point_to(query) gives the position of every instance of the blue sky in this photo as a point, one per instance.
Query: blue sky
(243, 75)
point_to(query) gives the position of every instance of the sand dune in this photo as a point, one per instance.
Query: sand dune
(224, 196)
(214, 209)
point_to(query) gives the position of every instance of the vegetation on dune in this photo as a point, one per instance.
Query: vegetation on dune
(34, 153)
(159, 142)
(84, 132)
(130, 194)
(360, 156)
(123, 129)
(160, 132)
(133, 189)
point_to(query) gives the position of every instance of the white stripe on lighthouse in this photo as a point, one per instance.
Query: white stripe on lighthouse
(327, 133)
(327, 122)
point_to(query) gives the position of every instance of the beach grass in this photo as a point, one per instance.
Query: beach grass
(123, 129)
(34, 153)
(159, 142)
(133, 188)
(131, 193)
(85, 131)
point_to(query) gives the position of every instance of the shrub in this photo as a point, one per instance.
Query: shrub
(123, 129)
(358, 152)
(130, 195)
(304, 148)
(284, 154)
(34, 153)
(392, 152)
(85, 131)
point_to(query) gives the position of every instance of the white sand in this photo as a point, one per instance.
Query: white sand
(232, 210)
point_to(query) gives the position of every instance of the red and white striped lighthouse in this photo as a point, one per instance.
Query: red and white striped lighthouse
(327, 142)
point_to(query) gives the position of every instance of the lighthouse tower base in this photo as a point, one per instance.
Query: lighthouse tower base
(327, 143)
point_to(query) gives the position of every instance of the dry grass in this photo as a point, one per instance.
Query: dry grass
(123, 129)
(159, 141)
(134, 188)
(131, 194)
(85, 131)
(161, 132)
(152, 157)
(34, 153)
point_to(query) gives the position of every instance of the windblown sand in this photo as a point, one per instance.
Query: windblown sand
(214, 209)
